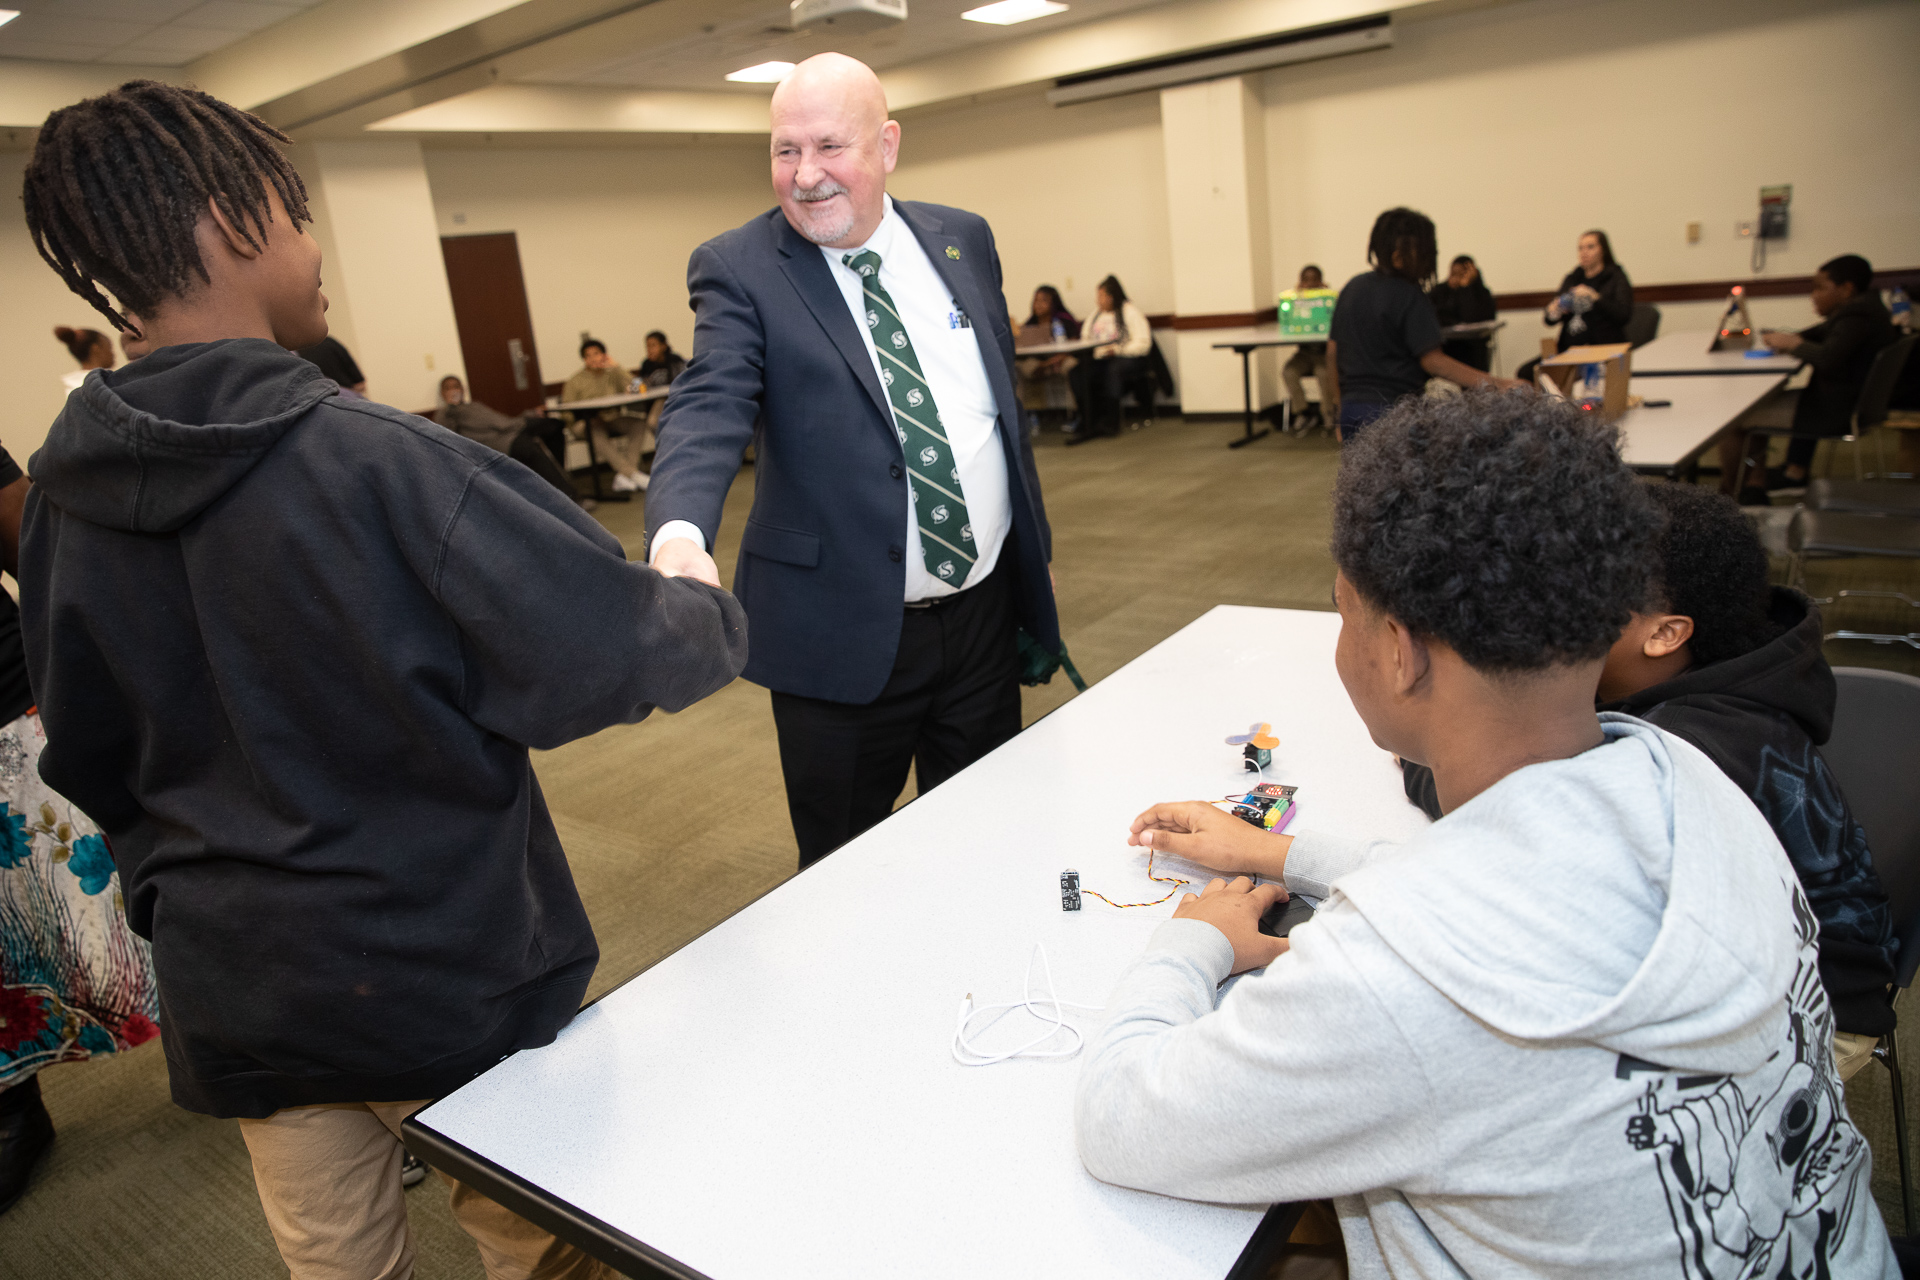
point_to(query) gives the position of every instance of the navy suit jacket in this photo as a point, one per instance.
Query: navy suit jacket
(778, 362)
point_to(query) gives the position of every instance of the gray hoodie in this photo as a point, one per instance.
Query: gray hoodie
(1575, 1028)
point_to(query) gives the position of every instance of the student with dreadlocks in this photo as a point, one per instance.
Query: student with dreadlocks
(1385, 340)
(310, 755)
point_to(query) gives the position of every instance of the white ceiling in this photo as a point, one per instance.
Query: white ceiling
(154, 33)
(757, 33)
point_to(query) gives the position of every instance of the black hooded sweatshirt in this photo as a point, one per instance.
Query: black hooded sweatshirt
(1761, 717)
(291, 649)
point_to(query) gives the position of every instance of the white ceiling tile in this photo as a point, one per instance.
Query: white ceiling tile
(145, 13)
(229, 15)
(62, 28)
(49, 52)
(176, 41)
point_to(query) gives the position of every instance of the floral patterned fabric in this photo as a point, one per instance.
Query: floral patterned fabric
(75, 981)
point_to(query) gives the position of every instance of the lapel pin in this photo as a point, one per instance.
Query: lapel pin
(953, 253)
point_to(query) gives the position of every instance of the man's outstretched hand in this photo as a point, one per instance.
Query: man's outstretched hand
(1198, 832)
(683, 558)
(1235, 909)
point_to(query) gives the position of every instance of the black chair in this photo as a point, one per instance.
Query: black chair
(1870, 411)
(1866, 497)
(1826, 535)
(1643, 326)
(1875, 742)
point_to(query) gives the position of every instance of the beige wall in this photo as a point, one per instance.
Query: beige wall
(1516, 128)
(1072, 193)
(604, 234)
(35, 301)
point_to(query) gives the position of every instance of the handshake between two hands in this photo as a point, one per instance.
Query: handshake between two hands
(683, 558)
(1198, 832)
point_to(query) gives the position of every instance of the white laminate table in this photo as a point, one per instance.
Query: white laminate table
(777, 1098)
(1243, 342)
(1686, 354)
(1671, 438)
(1064, 347)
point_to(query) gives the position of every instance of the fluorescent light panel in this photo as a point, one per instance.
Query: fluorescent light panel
(8, 15)
(762, 73)
(1007, 12)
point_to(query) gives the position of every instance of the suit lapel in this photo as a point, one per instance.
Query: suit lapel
(944, 252)
(813, 280)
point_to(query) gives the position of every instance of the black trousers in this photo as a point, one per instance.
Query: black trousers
(534, 448)
(953, 696)
(1099, 388)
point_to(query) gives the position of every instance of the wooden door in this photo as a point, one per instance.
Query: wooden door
(496, 329)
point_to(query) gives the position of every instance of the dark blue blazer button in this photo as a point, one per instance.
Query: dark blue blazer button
(894, 471)
(893, 554)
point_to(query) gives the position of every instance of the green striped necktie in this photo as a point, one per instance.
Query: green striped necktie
(933, 473)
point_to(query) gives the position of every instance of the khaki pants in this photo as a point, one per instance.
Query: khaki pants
(329, 1180)
(1851, 1052)
(1311, 360)
(623, 452)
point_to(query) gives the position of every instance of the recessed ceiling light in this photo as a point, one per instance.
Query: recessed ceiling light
(762, 73)
(1008, 12)
(8, 15)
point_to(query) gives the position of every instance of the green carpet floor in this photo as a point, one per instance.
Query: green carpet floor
(677, 822)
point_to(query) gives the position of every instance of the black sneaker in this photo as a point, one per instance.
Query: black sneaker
(1778, 481)
(413, 1170)
(26, 1131)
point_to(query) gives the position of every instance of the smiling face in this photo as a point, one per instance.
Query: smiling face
(451, 390)
(833, 148)
(1591, 259)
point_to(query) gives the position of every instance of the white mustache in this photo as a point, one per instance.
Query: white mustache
(813, 195)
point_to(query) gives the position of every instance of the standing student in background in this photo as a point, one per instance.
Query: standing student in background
(1386, 342)
(1309, 359)
(1100, 380)
(331, 357)
(1463, 298)
(93, 349)
(75, 981)
(1594, 302)
(292, 650)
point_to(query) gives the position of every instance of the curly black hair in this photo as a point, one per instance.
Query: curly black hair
(1710, 566)
(1502, 523)
(1409, 233)
(118, 183)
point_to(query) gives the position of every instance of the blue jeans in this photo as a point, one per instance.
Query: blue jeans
(1355, 414)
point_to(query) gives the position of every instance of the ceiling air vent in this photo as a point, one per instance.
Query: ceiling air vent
(847, 17)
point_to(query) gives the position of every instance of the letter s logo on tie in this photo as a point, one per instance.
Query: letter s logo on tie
(929, 456)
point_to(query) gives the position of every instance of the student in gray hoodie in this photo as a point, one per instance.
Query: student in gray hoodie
(1576, 1027)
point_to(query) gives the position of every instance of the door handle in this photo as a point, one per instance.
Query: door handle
(518, 354)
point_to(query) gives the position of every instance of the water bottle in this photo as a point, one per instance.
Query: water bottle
(1900, 307)
(1592, 392)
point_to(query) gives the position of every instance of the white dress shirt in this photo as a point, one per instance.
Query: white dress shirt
(957, 375)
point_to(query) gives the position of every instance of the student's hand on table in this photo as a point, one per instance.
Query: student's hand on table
(1780, 339)
(1235, 909)
(683, 558)
(1198, 832)
(1509, 384)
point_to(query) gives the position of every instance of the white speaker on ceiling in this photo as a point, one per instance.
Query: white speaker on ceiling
(850, 17)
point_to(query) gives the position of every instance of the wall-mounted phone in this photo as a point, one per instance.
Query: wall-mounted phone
(1774, 220)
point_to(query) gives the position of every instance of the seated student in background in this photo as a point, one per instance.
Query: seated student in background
(1100, 379)
(331, 357)
(1575, 1027)
(1594, 302)
(1727, 662)
(1309, 360)
(1048, 320)
(1463, 298)
(528, 442)
(662, 365)
(618, 435)
(1854, 327)
(1385, 342)
(290, 655)
(92, 348)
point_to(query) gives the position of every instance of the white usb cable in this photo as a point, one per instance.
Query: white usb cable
(967, 1055)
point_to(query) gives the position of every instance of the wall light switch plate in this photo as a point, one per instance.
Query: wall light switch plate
(1693, 233)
